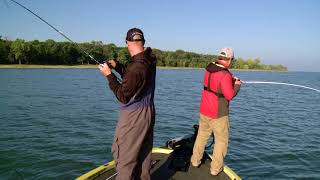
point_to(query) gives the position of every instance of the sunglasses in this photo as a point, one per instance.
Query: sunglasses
(132, 40)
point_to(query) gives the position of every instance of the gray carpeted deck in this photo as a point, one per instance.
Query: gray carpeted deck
(164, 168)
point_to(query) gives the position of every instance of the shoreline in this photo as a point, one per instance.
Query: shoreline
(24, 66)
(33, 66)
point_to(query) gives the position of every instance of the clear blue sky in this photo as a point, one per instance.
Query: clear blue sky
(276, 31)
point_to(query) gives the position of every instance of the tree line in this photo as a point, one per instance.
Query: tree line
(50, 52)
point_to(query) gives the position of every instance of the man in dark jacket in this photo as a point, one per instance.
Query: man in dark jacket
(133, 137)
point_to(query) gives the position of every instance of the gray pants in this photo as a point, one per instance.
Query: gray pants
(132, 145)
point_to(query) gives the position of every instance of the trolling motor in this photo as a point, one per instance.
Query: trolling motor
(182, 153)
(177, 142)
(183, 149)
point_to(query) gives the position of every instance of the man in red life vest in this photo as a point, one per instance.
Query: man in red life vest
(219, 88)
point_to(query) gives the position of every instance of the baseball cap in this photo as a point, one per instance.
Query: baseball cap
(133, 32)
(226, 52)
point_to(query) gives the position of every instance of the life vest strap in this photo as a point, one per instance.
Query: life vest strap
(207, 88)
(216, 93)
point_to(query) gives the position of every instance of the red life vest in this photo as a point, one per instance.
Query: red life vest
(217, 91)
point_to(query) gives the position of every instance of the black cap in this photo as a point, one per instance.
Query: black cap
(132, 32)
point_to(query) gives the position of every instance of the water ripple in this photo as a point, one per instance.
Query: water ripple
(58, 127)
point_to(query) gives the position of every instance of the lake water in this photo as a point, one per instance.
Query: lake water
(59, 123)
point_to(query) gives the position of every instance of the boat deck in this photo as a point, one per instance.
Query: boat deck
(173, 167)
(163, 170)
(171, 162)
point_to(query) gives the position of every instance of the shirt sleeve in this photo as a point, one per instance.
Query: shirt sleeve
(131, 83)
(228, 89)
(120, 68)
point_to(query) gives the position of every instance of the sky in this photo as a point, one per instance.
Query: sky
(285, 32)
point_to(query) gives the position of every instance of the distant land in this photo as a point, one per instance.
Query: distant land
(51, 53)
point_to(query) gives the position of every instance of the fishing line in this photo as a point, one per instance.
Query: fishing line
(280, 83)
(61, 33)
(6, 3)
(57, 30)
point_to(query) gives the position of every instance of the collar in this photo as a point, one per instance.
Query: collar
(222, 64)
(219, 65)
(141, 55)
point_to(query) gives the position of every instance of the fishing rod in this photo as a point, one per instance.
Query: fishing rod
(280, 83)
(62, 34)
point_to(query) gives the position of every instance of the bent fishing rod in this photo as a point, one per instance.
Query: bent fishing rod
(62, 34)
(280, 83)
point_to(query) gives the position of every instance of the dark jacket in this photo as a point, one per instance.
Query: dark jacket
(137, 78)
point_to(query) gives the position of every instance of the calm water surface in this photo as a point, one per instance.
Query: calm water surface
(59, 123)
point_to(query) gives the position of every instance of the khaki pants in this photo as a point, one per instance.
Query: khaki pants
(220, 128)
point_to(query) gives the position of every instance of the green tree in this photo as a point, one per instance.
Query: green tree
(110, 51)
(51, 52)
(70, 54)
(18, 51)
(123, 56)
(4, 51)
(97, 51)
